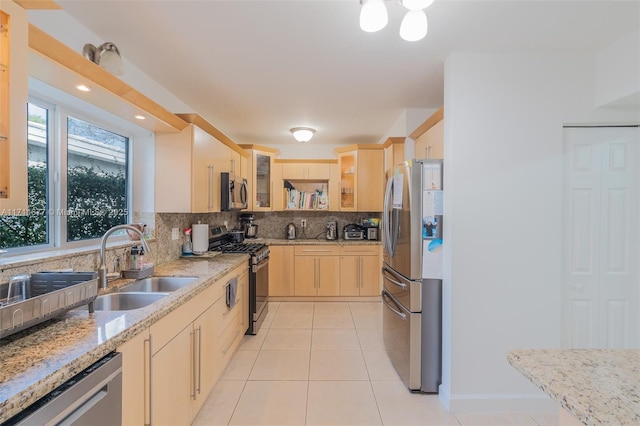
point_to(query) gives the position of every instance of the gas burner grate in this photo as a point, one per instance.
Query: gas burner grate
(240, 248)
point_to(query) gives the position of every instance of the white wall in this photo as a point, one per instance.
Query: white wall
(503, 174)
(618, 73)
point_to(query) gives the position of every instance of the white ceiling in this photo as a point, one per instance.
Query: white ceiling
(254, 69)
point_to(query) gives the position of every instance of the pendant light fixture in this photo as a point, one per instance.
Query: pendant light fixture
(373, 17)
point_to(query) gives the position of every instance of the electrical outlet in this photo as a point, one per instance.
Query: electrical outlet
(175, 233)
(303, 223)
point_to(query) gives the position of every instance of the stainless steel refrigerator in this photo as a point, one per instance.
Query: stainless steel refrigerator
(412, 272)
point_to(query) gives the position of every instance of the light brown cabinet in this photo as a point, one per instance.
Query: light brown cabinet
(305, 176)
(317, 271)
(13, 112)
(188, 167)
(361, 178)
(261, 178)
(281, 271)
(360, 267)
(393, 152)
(171, 367)
(429, 136)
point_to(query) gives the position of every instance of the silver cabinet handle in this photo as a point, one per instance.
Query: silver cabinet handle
(150, 388)
(194, 362)
(199, 330)
(211, 189)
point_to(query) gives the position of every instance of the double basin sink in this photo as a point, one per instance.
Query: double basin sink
(141, 293)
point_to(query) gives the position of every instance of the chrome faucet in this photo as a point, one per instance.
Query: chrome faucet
(102, 269)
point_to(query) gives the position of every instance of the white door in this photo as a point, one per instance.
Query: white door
(600, 242)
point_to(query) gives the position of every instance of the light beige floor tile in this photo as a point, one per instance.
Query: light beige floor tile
(365, 307)
(281, 365)
(368, 320)
(253, 342)
(341, 403)
(328, 320)
(370, 339)
(288, 339)
(332, 308)
(240, 365)
(268, 319)
(293, 320)
(546, 418)
(222, 400)
(271, 403)
(379, 366)
(398, 406)
(334, 340)
(337, 365)
(495, 419)
(291, 307)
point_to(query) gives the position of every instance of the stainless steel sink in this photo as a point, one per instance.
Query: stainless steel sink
(158, 284)
(126, 301)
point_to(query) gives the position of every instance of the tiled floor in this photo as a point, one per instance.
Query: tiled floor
(324, 363)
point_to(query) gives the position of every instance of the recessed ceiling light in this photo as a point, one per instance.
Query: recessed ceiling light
(83, 88)
(139, 117)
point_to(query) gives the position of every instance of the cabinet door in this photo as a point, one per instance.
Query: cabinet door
(243, 295)
(306, 276)
(328, 275)
(281, 271)
(172, 384)
(205, 329)
(14, 40)
(348, 181)
(349, 275)
(135, 379)
(262, 182)
(370, 186)
(293, 171)
(370, 275)
(205, 194)
(317, 171)
(431, 143)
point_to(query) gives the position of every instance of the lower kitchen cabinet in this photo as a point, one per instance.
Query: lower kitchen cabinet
(360, 270)
(317, 270)
(281, 269)
(170, 368)
(135, 379)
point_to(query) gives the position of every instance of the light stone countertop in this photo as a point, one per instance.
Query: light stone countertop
(39, 359)
(597, 386)
(310, 241)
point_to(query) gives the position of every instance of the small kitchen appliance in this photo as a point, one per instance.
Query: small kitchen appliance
(250, 229)
(291, 231)
(371, 228)
(353, 231)
(332, 230)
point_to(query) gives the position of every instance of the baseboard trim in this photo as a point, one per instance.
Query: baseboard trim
(474, 403)
(324, 299)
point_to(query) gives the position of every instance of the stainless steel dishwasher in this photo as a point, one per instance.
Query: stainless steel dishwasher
(92, 397)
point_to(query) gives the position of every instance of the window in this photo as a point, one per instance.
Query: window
(91, 191)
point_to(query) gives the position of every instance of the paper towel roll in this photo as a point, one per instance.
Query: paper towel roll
(200, 238)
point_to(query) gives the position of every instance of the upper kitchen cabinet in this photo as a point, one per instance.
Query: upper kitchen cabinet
(188, 166)
(14, 24)
(361, 177)
(393, 152)
(235, 156)
(261, 179)
(429, 136)
(306, 184)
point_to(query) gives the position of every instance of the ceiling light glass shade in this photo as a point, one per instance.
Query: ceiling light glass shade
(416, 4)
(303, 134)
(414, 25)
(373, 15)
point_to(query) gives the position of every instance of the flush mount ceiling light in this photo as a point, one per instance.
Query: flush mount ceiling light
(302, 134)
(106, 55)
(83, 88)
(373, 17)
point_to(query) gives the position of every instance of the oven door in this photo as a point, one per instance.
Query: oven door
(401, 331)
(258, 295)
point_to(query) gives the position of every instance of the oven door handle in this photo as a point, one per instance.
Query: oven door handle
(257, 267)
(398, 312)
(386, 275)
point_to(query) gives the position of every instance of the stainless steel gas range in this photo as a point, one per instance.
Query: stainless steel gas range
(258, 275)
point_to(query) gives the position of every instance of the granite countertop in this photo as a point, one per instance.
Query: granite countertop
(597, 386)
(39, 359)
(311, 241)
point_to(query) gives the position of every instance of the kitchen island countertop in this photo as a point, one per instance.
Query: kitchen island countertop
(597, 386)
(39, 359)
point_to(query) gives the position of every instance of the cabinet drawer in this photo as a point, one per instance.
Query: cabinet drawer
(360, 250)
(228, 315)
(230, 334)
(319, 250)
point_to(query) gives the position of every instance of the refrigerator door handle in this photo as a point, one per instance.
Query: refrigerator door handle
(386, 219)
(386, 275)
(385, 299)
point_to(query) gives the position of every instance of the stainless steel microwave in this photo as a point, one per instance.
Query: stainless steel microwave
(234, 193)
